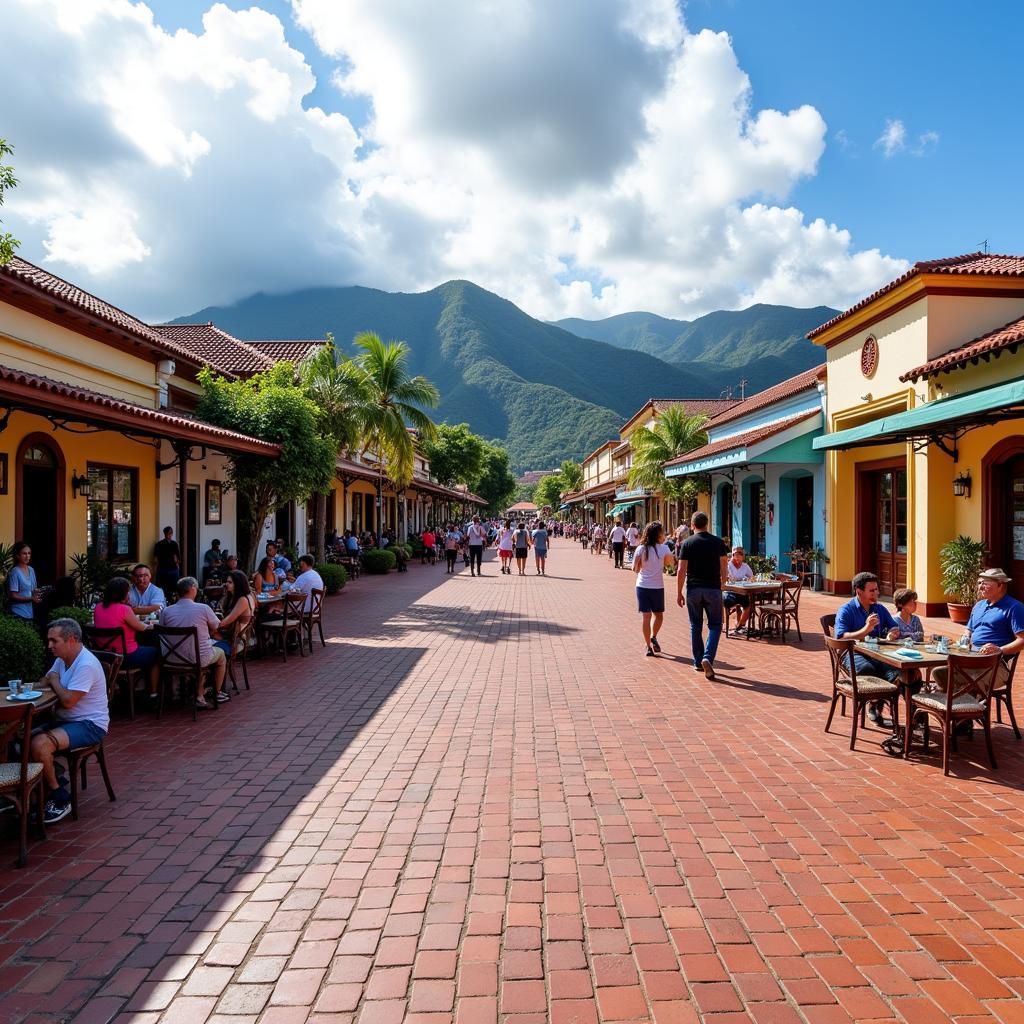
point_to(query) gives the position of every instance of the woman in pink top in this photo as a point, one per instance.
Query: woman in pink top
(113, 612)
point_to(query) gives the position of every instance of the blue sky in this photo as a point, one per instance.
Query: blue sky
(575, 161)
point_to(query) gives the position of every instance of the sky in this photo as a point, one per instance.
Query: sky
(579, 157)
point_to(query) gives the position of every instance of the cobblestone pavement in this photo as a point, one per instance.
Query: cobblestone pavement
(482, 802)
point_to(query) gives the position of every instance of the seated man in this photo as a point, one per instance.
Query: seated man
(214, 554)
(863, 616)
(308, 580)
(81, 717)
(738, 569)
(145, 596)
(186, 612)
(221, 570)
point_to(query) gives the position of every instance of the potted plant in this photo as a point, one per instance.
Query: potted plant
(960, 561)
(817, 557)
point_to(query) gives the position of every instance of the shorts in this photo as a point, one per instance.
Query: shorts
(730, 600)
(216, 657)
(80, 733)
(522, 552)
(650, 599)
(540, 552)
(141, 658)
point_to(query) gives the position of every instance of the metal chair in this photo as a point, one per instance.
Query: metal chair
(970, 682)
(78, 757)
(861, 690)
(20, 780)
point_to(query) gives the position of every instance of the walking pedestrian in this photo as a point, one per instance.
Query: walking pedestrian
(477, 539)
(521, 545)
(650, 560)
(618, 542)
(504, 545)
(452, 540)
(632, 539)
(540, 538)
(702, 560)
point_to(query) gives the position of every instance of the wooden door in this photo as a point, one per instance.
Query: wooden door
(890, 534)
(1014, 504)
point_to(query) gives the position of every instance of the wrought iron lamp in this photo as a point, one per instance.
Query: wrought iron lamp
(962, 485)
(80, 485)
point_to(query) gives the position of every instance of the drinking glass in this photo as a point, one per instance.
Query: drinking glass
(15, 685)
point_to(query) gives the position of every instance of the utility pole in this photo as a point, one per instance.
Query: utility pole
(743, 388)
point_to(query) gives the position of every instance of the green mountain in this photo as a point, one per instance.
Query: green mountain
(542, 391)
(763, 343)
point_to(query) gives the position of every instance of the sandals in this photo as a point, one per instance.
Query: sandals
(655, 644)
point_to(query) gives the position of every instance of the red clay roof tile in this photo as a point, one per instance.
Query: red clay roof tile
(220, 350)
(744, 440)
(784, 389)
(1008, 336)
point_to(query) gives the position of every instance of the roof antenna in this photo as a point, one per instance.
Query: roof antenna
(984, 246)
(743, 388)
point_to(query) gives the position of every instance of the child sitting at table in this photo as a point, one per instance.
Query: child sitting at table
(906, 620)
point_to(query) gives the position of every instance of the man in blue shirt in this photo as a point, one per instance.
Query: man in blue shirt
(862, 616)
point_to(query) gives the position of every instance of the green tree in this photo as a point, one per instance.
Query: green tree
(495, 482)
(572, 473)
(8, 243)
(675, 433)
(549, 491)
(456, 454)
(338, 390)
(272, 406)
(395, 401)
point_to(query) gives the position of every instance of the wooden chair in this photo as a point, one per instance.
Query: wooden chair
(787, 610)
(861, 690)
(313, 617)
(828, 624)
(970, 682)
(1002, 694)
(103, 638)
(78, 757)
(179, 659)
(240, 644)
(19, 780)
(289, 625)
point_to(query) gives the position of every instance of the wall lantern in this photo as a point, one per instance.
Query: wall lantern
(80, 485)
(962, 486)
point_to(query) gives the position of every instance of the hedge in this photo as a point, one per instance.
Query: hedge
(81, 615)
(22, 652)
(378, 561)
(334, 576)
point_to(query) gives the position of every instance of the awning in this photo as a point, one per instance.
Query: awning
(563, 506)
(945, 417)
(622, 506)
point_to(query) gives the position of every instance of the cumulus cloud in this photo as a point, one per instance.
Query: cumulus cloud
(581, 158)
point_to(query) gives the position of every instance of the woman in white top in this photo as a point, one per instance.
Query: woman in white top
(650, 561)
(503, 542)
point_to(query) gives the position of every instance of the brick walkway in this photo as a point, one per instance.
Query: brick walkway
(482, 803)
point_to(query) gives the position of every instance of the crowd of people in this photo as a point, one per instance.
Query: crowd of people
(512, 539)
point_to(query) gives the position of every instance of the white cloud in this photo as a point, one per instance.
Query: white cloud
(575, 158)
(894, 139)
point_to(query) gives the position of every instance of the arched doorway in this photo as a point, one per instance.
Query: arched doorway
(796, 511)
(39, 510)
(755, 525)
(1002, 499)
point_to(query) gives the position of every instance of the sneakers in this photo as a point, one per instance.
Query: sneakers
(707, 668)
(655, 644)
(650, 652)
(223, 697)
(56, 811)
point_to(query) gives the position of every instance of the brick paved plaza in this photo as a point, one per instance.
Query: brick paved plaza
(482, 803)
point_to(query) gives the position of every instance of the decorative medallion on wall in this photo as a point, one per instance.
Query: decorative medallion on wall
(869, 357)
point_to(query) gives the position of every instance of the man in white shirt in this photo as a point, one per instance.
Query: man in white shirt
(618, 541)
(186, 612)
(81, 718)
(477, 537)
(144, 595)
(738, 569)
(308, 580)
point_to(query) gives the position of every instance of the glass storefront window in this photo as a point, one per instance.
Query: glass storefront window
(111, 528)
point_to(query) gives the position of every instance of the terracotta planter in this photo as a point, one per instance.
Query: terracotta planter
(959, 613)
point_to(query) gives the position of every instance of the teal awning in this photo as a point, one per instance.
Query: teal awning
(944, 417)
(623, 505)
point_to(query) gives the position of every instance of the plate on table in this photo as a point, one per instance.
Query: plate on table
(27, 695)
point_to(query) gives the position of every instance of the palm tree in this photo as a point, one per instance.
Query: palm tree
(675, 433)
(394, 401)
(338, 388)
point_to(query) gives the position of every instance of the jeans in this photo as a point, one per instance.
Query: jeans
(701, 601)
(617, 549)
(476, 556)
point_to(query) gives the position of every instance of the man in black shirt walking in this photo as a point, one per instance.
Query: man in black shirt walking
(702, 562)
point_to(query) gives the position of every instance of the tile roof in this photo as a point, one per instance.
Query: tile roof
(694, 407)
(292, 351)
(43, 282)
(601, 448)
(980, 263)
(220, 350)
(1009, 336)
(29, 390)
(745, 440)
(784, 389)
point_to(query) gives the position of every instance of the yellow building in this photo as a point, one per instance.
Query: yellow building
(925, 399)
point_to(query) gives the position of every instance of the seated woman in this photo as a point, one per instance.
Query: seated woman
(239, 606)
(115, 612)
(906, 620)
(265, 581)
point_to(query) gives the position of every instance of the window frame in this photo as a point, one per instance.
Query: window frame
(133, 541)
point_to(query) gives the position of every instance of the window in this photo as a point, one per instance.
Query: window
(113, 513)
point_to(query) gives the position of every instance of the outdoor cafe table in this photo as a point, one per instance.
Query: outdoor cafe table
(756, 590)
(44, 702)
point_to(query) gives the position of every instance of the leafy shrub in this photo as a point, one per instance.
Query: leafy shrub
(334, 576)
(22, 652)
(378, 561)
(91, 575)
(81, 615)
(416, 546)
(762, 564)
(408, 550)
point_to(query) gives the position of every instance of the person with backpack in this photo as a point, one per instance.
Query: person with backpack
(521, 545)
(650, 560)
